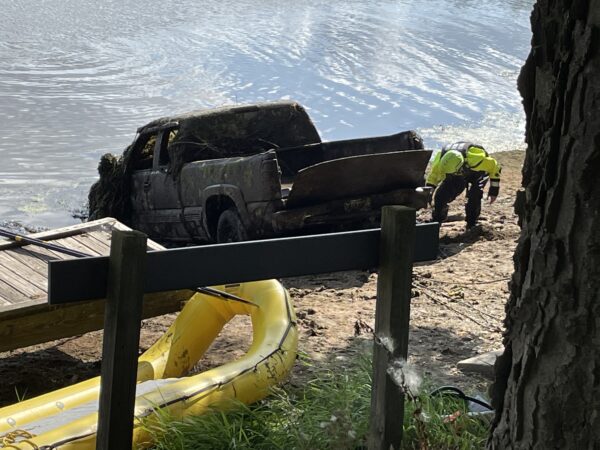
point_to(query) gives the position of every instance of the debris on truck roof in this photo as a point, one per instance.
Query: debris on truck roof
(254, 171)
(203, 134)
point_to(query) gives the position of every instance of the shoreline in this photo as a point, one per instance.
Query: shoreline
(456, 313)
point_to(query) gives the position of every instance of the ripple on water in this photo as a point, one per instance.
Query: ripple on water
(78, 77)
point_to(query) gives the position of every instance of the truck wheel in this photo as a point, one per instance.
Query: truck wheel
(230, 227)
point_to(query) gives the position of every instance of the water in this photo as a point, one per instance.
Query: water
(77, 77)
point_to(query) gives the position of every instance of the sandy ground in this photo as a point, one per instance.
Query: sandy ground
(457, 311)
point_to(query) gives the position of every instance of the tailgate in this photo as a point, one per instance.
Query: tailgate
(357, 176)
(350, 212)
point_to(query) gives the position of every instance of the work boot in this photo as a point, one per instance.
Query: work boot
(439, 213)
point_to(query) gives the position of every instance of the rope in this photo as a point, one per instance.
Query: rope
(429, 280)
(17, 437)
(466, 305)
(422, 284)
(460, 313)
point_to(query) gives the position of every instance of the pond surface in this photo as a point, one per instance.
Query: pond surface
(77, 77)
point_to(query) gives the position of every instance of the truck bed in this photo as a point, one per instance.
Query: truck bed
(293, 159)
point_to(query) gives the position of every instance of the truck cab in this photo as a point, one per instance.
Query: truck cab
(260, 171)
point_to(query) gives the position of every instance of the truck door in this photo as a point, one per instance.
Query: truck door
(163, 193)
(141, 160)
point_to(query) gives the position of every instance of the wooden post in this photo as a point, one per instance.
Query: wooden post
(122, 319)
(392, 315)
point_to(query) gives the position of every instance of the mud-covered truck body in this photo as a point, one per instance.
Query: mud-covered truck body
(258, 171)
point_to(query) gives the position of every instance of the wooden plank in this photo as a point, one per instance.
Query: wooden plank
(190, 267)
(101, 228)
(16, 310)
(34, 322)
(65, 231)
(151, 244)
(90, 244)
(101, 236)
(59, 255)
(25, 272)
(14, 280)
(30, 259)
(73, 242)
(121, 339)
(23, 265)
(392, 315)
(44, 253)
(107, 222)
(99, 240)
(11, 294)
(26, 322)
(38, 253)
(27, 240)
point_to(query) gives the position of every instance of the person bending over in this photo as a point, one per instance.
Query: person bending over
(460, 166)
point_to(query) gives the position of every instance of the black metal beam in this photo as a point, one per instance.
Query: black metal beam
(187, 268)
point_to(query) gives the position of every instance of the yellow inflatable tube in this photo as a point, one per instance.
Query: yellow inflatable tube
(67, 418)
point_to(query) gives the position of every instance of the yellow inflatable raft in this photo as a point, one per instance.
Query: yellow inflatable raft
(67, 418)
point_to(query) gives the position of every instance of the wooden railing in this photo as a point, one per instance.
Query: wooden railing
(129, 272)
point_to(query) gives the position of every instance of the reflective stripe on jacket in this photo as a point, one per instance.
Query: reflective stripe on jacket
(476, 159)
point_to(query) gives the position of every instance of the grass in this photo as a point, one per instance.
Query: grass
(442, 423)
(331, 412)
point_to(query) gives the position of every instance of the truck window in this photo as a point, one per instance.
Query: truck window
(143, 152)
(164, 152)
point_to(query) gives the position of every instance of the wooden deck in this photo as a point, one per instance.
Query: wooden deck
(25, 316)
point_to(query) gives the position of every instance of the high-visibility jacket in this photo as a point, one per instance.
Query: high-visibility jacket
(475, 159)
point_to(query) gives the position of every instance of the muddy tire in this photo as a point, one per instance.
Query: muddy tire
(230, 227)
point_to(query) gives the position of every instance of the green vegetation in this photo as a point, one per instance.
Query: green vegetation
(329, 412)
(442, 423)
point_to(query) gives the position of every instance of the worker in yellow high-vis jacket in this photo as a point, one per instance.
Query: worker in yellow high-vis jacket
(460, 166)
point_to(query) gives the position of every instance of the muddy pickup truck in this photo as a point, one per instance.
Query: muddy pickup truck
(256, 171)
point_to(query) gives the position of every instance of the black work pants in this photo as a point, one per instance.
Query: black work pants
(452, 187)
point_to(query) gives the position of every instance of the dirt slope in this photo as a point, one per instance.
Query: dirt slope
(457, 311)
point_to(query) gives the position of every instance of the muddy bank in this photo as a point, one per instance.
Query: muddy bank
(457, 311)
